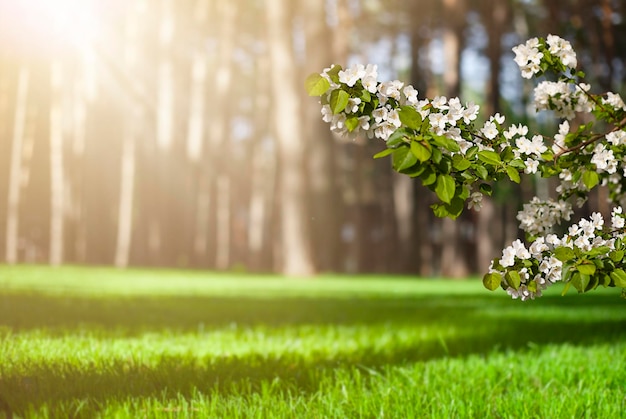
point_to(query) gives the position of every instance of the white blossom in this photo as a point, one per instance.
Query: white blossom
(562, 49)
(489, 130)
(614, 100)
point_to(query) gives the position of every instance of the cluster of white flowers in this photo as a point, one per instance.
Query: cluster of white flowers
(442, 113)
(559, 139)
(528, 57)
(617, 219)
(567, 183)
(604, 159)
(368, 75)
(565, 99)
(538, 217)
(615, 101)
(562, 49)
(616, 138)
(586, 235)
(547, 272)
(528, 150)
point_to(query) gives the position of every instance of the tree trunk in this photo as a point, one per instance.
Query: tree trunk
(262, 177)
(57, 181)
(422, 246)
(453, 257)
(324, 195)
(128, 163)
(165, 87)
(290, 142)
(125, 213)
(488, 231)
(15, 174)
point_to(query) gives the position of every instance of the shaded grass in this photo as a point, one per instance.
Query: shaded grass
(81, 342)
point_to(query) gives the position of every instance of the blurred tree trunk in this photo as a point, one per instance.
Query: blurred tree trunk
(162, 238)
(9, 75)
(454, 259)
(324, 198)
(404, 203)
(129, 133)
(262, 176)
(287, 119)
(57, 175)
(488, 227)
(125, 212)
(219, 137)
(421, 258)
(195, 233)
(15, 174)
(351, 159)
(83, 91)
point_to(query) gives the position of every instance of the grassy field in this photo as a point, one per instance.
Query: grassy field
(95, 342)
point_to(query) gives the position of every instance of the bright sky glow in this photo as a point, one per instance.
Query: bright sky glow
(39, 23)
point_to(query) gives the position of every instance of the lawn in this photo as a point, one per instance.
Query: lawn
(100, 342)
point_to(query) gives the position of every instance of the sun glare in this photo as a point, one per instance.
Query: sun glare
(40, 23)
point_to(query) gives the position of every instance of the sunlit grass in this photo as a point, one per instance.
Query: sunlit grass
(88, 342)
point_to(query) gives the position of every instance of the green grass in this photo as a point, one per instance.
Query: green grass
(99, 342)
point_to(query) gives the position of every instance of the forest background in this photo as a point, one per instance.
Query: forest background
(179, 134)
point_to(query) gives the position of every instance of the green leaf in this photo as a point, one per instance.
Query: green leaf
(564, 253)
(455, 207)
(403, 158)
(316, 85)
(410, 117)
(485, 189)
(580, 281)
(619, 278)
(492, 281)
(597, 251)
(384, 153)
(462, 193)
(437, 155)
(507, 154)
(587, 268)
(445, 165)
(594, 281)
(333, 73)
(590, 179)
(415, 171)
(471, 152)
(481, 172)
(452, 210)
(460, 163)
(338, 100)
(513, 174)
(428, 176)
(440, 210)
(617, 255)
(421, 151)
(397, 137)
(565, 288)
(447, 143)
(366, 96)
(444, 188)
(489, 157)
(518, 164)
(513, 279)
(352, 123)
